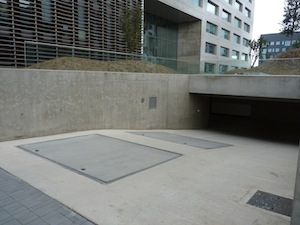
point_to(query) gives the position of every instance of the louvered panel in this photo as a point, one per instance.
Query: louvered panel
(91, 24)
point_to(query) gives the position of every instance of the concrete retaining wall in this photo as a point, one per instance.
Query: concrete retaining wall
(279, 86)
(296, 202)
(37, 102)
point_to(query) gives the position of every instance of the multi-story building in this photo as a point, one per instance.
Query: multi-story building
(209, 34)
(277, 43)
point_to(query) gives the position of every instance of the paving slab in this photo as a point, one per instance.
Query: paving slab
(16, 198)
(199, 187)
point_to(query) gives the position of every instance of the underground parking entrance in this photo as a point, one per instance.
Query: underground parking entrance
(263, 118)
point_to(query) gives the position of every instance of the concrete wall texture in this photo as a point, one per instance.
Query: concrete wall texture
(276, 87)
(296, 203)
(37, 102)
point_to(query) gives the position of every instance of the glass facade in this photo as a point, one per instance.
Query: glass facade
(160, 37)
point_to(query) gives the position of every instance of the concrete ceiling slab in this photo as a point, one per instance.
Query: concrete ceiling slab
(160, 9)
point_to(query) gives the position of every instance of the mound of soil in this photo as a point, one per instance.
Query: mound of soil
(286, 63)
(74, 63)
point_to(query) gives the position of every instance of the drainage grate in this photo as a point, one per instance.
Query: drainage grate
(271, 202)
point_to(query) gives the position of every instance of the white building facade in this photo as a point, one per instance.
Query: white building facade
(212, 32)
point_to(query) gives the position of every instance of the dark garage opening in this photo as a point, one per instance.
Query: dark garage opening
(274, 119)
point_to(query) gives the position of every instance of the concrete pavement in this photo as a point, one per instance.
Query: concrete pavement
(203, 186)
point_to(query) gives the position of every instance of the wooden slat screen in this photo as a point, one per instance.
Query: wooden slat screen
(91, 24)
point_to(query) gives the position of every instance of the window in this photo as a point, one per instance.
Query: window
(210, 48)
(277, 42)
(248, 12)
(228, 1)
(226, 16)
(81, 20)
(211, 28)
(287, 43)
(283, 49)
(238, 6)
(235, 54)
(212, 8)
(24, 3)
(224, 52)
(236, 38)
(245, 42)
(272, 43)
(223, 69)
(244, 57)
(246, 27)
(225, 34)
(237, 22)
(209, 68)
(4, 15)
(277, 50)
(196, 2)
(46, 10)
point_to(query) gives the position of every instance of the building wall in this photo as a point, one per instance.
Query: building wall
(189, 45)
(277, 43)
(40, 102)
(87, 24)
(201, 12)
(96, 25)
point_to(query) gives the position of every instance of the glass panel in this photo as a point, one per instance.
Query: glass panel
(226, 16)
(235, 54)
(244, 57)
(245, 42)
(238, 6)
(223, 69)
(248, 12)
(225, 34)
(210, 48)
(211, 28)
(212, 8)
(160, 37)
(236, 39)
(224, 52)
(209, 68)
(246, 27)
(46, 10)
(237, 22)
(196, 2)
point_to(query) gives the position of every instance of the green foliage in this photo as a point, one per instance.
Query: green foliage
(256, 48)
(291, 18)
(296, 44)
(131, 24)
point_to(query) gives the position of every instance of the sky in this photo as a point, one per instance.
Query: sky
(267, 17)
